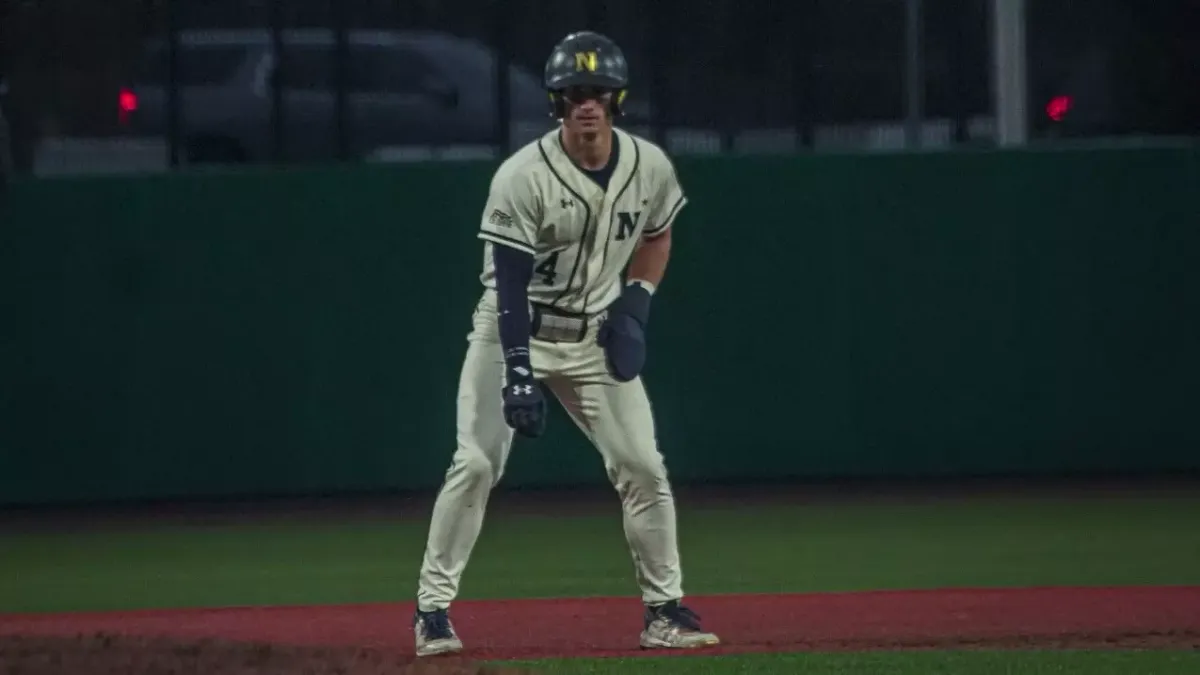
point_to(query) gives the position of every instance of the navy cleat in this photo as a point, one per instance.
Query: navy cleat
(673, 626)
(435, 635)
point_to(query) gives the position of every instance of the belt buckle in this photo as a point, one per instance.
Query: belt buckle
(551, 325)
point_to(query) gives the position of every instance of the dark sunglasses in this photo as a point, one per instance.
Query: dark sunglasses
(584, 94)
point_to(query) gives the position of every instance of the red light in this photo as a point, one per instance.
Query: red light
(127, 103)
(1058, 107)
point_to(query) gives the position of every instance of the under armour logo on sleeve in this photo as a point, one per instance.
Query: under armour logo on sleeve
(522, 389)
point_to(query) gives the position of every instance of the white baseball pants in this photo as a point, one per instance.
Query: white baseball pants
(615, 417)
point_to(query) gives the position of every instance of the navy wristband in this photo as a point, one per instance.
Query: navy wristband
(514, 269)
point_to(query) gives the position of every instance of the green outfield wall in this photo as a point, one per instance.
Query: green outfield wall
(300, 331)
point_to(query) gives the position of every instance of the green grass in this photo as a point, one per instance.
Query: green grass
(819, 547)
(901, 663)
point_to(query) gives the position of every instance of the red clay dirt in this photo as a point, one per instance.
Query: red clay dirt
(960, 618)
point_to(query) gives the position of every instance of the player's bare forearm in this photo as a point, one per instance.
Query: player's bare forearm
(649, 261)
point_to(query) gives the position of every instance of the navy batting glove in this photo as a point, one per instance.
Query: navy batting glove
(623, 335)
(525, 406)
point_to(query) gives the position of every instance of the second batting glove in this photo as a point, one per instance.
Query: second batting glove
(525, 407)
(623, 333)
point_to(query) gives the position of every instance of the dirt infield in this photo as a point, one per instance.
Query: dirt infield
(121, 655)
(376, 638)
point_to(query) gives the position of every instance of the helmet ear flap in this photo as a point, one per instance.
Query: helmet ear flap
(558, 107)
(616, 102)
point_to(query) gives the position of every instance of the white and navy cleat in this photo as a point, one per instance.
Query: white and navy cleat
(673, 626)
(435, 634)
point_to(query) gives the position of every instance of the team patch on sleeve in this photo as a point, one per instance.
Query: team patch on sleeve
(511, 216)
(499, 218)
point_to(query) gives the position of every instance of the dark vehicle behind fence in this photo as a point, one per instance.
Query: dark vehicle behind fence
(417, 89)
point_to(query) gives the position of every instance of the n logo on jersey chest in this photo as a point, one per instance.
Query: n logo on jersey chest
(627, 222)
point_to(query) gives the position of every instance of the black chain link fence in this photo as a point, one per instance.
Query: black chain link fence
(291, 81)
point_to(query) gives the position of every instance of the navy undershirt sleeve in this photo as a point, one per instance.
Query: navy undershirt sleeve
(514, 270)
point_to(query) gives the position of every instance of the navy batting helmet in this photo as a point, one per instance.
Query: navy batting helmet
(586, 59)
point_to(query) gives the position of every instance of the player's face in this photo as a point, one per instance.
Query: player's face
(588, 109)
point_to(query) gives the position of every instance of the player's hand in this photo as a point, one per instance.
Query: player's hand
(525, 407)
(623, 334)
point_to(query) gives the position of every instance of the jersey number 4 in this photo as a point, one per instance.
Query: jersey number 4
(548, 269)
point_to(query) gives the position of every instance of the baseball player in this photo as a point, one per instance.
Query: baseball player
(577, 233)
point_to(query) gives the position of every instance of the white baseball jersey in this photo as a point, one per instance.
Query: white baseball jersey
(580, 235)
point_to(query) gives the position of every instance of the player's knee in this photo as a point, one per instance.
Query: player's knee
(474, 469)
(644, 471)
